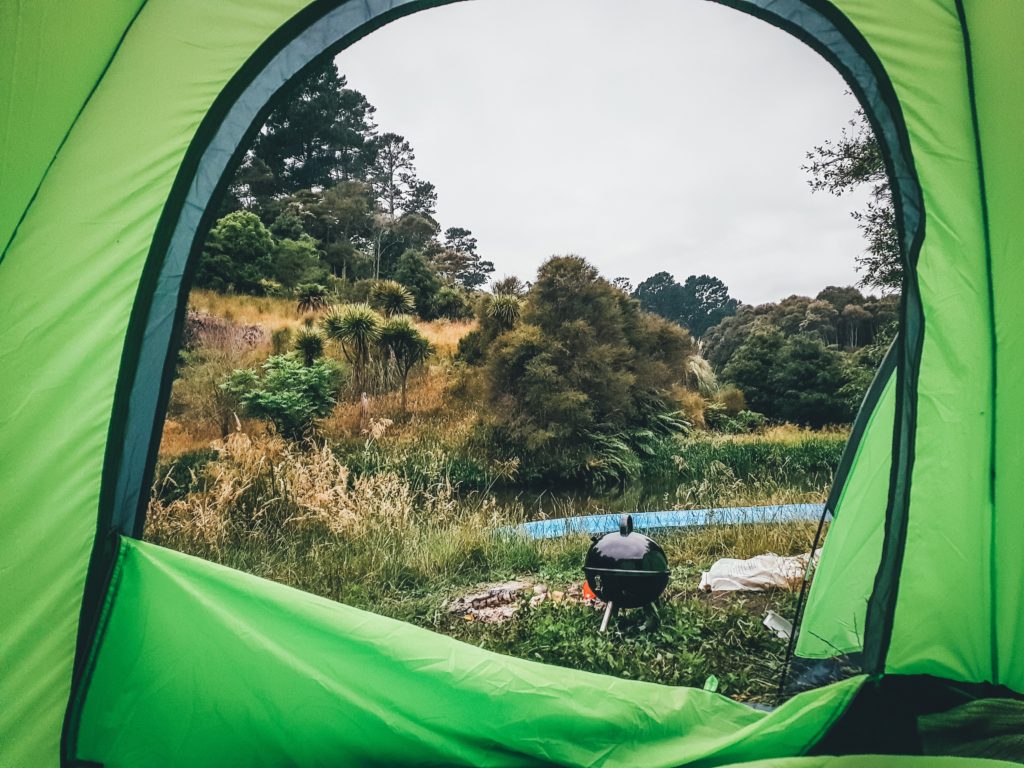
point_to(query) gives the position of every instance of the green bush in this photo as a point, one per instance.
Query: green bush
(796, 379)
(578, 386)
(237, 255)
(742, 423)
(291, 395)
(452, 303)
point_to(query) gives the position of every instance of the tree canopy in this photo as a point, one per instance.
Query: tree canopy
(699, 303)
(322, 195)
(854, 161)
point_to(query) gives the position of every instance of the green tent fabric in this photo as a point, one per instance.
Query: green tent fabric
(833, 622)
(120, 118)
(323, 684)
(879, 761)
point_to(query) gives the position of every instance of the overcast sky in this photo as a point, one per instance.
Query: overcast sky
(644, 135)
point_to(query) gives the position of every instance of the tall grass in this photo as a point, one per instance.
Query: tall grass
(301, 517)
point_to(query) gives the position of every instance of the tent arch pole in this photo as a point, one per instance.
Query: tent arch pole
(320, 31)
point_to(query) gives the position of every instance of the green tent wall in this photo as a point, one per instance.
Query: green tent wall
(119, 119)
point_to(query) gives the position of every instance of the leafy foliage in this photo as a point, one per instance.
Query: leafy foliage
(853, 161)
(579, 380)
(297, 261)
(288, 393)
(415, 271)
(796, 379)
(237, 254)
(699, 303)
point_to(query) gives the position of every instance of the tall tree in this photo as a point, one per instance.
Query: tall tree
(854, 161)
(421, 198)
(391, 173)
(699, 303)
(459, 261)
(662, 295)
(706, 302)
(322, 134)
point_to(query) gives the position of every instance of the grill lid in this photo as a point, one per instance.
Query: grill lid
(627, 568)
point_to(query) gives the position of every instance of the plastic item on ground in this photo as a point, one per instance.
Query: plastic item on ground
(781, 626)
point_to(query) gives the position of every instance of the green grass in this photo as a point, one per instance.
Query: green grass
(379, 543)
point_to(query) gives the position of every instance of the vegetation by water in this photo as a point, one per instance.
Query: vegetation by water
(298, 516)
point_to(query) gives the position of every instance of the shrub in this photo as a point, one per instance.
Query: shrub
(236, 255)
(731, 399)
(297, 261)
(289, 394)
(416, 273)
(795, 379)
(581, 384)
(452, 303)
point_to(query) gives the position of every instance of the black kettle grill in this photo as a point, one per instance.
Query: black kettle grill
(626, 569)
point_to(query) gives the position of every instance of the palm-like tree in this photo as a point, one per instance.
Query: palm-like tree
(504, 309)
(310, 344)
(356, 328)
(407, 347)
(391, 298)
(310, 297)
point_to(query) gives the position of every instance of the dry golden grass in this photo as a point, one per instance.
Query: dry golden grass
(436, 407)
(195, 422)
(179, 438)
(274, 314)
(271, 313)
(790, 433)
(445, 334)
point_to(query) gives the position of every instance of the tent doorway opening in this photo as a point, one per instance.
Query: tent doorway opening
(362, 400)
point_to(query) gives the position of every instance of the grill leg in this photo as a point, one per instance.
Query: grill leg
(607, 615)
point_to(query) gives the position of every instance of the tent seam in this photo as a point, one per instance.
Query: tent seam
(67, 133)
(993, 371)
(70, 731)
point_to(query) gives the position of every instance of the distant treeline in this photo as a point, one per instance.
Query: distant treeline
(323, 196)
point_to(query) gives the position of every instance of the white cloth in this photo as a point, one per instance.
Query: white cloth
(769, 571)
